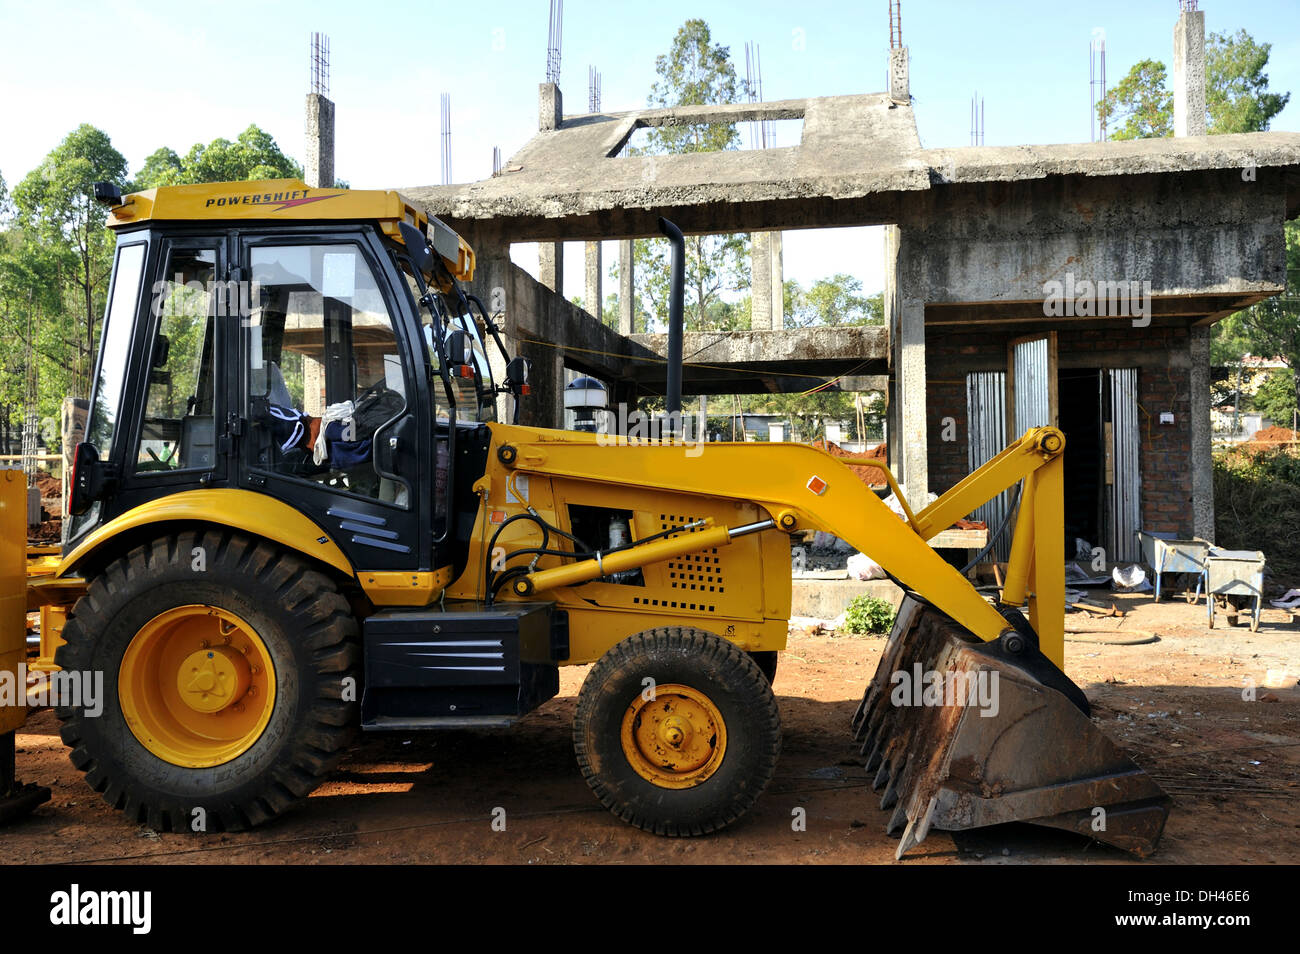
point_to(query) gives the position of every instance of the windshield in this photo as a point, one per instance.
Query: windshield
(475, 396)
(114, 347)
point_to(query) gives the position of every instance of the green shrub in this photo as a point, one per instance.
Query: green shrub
(1257, 507)
(869, 614)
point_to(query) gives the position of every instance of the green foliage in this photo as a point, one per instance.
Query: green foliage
(1257, 507)
(63, 228)
(1141, 102)
(253, 155)
(1276, 397)
(1271, 328)
(1237, 98)
(869, 615)
(837, 300)
(694, 71)
(1236, 86)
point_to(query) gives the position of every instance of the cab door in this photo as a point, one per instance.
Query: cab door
(330, 401)
(177, 434)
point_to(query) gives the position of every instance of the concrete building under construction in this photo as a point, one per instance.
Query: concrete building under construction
(1072, 284)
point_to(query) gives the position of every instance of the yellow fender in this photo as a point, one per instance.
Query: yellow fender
(253, 513)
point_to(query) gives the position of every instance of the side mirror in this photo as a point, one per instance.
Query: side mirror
(417, 247)
(456, 347)
(87, 483)
(162, 347)
(517, 372)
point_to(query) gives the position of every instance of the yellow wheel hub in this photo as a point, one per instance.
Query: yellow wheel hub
(675, 740)
(197, 686)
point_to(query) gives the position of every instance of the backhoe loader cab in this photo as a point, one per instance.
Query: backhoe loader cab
(294, 513)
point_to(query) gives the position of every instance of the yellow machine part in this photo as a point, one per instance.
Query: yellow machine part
(254, 513)
(13, 591)
(740, 591)
(796, 485)
(292, 200)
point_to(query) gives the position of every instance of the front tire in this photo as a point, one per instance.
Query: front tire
(687, 753)
(225, 664)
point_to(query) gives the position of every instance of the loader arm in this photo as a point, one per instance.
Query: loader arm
(805, 488)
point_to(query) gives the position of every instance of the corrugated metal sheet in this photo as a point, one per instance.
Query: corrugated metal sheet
(986, 437)
(1125, 516)
(1033, 400)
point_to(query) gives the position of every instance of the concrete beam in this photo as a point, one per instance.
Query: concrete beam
(1212, 233)
(859, 162)
(1189, 74)
(767, 361)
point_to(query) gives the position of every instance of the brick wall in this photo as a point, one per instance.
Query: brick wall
(1160, 354)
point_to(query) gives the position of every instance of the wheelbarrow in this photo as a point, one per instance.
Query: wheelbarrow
(1165, 553)
(1234, 578)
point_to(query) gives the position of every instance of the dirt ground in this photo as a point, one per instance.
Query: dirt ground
(1232, 767)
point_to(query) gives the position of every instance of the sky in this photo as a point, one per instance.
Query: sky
(161, 73)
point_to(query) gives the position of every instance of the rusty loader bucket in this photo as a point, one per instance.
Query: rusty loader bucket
(970, 719)
(960, 733)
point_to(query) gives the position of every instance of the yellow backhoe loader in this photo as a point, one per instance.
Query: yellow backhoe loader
(294, 513)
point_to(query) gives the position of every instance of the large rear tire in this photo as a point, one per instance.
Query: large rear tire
(226, 664)
(677, 731)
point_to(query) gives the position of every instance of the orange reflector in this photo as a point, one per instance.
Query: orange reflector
(466, 371)
(498, 516)
(817, 485)
(525, 389)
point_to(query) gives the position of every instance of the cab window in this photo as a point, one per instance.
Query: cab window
(323, 369)
(178, 431)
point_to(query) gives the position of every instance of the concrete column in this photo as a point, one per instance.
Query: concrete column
(595, 273)
(912, 452)
(1189, 74)
(1202, 461)
(626, 289)
(550, 266)
(318, 168)
(760, 271)
(550, 107)
(778, 281)
(899, 90)
(491, 285)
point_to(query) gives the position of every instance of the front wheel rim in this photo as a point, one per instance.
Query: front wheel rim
(197, 686)
(674, 737)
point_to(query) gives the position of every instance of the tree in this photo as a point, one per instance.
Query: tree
(1237, 97)
(1277, 396)
(163, 167)
(253, 155)
(1141, 101)
(56, 206)
(695, 71)
(1271, 328)
(832, 301)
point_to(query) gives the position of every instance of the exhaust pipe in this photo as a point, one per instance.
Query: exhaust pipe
(676, 292)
